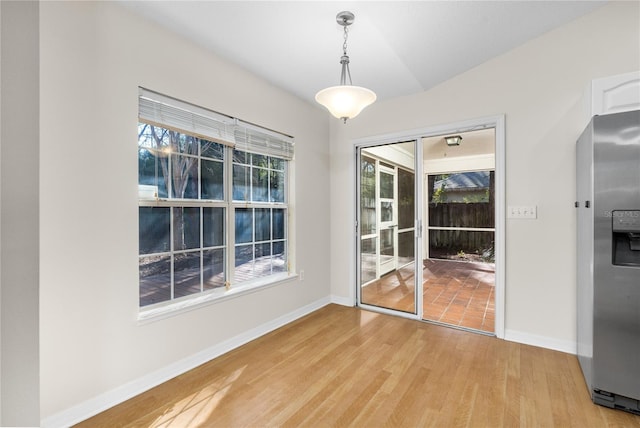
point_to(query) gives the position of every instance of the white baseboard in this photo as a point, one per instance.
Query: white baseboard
(122, 393)
(567, 346)
(344, 301)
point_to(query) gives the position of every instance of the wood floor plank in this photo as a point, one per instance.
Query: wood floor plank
(344, 367)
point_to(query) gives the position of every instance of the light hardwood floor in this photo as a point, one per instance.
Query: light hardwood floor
(344, 366)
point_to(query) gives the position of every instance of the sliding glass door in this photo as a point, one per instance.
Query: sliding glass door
(386, 219)
(430, 225)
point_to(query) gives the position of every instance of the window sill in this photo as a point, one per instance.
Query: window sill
(156, 313)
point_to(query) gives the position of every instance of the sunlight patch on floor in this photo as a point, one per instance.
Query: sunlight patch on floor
(195, 409)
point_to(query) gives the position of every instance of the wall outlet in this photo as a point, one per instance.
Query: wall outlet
(529, 212)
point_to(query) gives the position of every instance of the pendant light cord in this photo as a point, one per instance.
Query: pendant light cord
(344, 60)
(344, 45)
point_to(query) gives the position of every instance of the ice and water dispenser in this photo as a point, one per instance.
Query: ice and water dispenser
(626, 237)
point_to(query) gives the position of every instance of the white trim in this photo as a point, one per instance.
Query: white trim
(420, 215)
(500, 225)
(343, 301)
(431, 131)
(116, 396)
(567, 346)
(175, 307)
(390, 311)
(614, 94)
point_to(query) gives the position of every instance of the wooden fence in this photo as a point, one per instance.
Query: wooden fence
(454, 214)
(461, 215)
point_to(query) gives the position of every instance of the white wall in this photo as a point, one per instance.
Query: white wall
(94, 55)
(19, 214)
(539, 87)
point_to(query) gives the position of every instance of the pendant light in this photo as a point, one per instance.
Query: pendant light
(345, 101)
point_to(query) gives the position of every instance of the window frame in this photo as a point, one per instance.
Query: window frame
(248, 138)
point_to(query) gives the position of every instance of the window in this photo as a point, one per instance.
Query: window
(260, 217)
(213, 202)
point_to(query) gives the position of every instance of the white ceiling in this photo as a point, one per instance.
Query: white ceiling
(396, 48)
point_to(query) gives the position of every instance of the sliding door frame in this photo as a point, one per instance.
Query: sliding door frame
(416, 238)
(415, 135)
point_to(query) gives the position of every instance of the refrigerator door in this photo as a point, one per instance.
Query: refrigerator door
(616, 210)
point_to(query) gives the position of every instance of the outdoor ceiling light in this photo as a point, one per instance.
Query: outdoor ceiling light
(453, 140)
(345, 101)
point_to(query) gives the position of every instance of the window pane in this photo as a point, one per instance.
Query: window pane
(279, 259)
(367, 196)
(213, 220)
(147, 167)
(386, 211)
(386, 185)
(212, 180)
(263, 224)
(155, 279)
(244, 225)
(153, 232)
(406, 247)
(263, 251)
(183, 143)
(368, 260)
(213, 268)
(252, 262)
(260, 160)
(240, 157)
(186, 228)
(210, 149)
(150, 170)
(368, 220)
(184, 176)
(241, 183)
(278, 223)
(386, 243)
(406, 204)
(276, 186)
(244, 263)
(186, 274)
(259, 184)
(277, 164)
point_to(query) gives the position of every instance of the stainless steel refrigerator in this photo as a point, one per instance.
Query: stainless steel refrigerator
(608, 259)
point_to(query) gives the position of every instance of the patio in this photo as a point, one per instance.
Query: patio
(459, 293)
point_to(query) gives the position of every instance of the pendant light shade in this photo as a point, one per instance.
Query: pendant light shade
(345, 101)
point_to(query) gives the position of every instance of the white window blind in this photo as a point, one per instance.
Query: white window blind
(161, 110)
(254, 139)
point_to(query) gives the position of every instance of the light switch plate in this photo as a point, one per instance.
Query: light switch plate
(527, 212)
